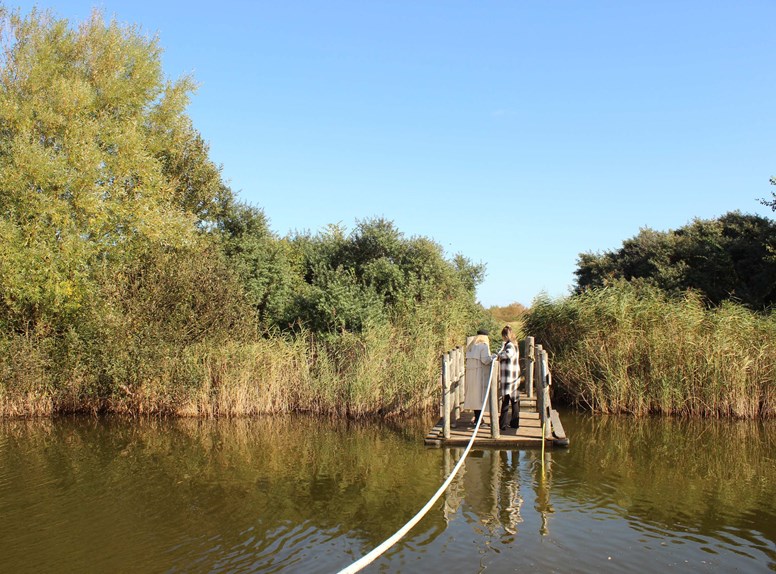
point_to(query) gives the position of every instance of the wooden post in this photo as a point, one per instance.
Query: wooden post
(446, 395)
(462, 371)
(457, 397)
(530, 360)
(538, 383)
(494, 391)
(547, 405)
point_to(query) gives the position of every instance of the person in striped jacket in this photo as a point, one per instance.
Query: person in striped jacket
(509, 359)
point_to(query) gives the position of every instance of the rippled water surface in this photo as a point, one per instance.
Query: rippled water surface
(306, 495)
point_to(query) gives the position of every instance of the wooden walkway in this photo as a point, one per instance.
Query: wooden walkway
(529, 435)
(536, 413)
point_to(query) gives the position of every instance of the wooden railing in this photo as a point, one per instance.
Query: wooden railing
(537, 378)
(454, 391)
(542, 380)
(453, 386)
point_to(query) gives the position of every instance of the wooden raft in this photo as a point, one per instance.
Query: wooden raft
(529, 435)
(455, 427)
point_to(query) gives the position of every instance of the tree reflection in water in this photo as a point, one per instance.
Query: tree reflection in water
(301, 493)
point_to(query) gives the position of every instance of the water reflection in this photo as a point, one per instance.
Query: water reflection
(292, 494)
(488, 486)
(248, 495)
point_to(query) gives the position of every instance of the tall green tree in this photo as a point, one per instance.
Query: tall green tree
(98, 162)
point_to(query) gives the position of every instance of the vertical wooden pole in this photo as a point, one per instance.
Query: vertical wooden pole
(494, 392)
(462, 375)
(530, 361)
(546, 394)
(538, 383)
(446, 395)
(456, 398)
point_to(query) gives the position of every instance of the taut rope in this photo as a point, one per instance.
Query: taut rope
(377, 552)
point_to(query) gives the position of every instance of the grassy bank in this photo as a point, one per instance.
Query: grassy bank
(625, 349)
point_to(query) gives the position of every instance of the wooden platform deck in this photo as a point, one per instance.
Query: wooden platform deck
(529, 435)
(535, 382)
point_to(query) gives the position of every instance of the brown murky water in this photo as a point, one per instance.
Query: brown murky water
(305, 495)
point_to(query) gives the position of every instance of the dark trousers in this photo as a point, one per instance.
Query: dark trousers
(504, 420)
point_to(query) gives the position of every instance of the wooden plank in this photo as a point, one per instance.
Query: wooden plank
(557, 428)
(528, 435)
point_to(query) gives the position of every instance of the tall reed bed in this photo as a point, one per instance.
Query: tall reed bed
(386, 370)
(634, 349)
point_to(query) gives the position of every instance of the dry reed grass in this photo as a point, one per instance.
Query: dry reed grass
(635, 350)
(388, 371)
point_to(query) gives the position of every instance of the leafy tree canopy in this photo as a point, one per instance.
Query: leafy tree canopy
(726, 258)
(98, 161)
(772, 202)
(374, 275)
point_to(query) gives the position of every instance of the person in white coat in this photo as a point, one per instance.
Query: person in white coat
(478, 360)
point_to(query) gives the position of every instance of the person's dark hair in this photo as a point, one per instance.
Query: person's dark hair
(508, 333)
(483, 332)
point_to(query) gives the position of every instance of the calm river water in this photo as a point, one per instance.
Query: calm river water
(305, 495)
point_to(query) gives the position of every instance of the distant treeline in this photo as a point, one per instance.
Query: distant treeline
(729, 258)
(133, 280)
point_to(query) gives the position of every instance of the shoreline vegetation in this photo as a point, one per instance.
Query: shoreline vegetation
(635, 349)
(353, 376)
(133, 280)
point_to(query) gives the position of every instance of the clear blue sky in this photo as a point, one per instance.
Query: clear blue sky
(518, 133)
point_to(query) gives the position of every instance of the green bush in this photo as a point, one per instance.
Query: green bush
(729, 258)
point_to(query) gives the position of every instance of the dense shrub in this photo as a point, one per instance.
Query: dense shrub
(731, 257)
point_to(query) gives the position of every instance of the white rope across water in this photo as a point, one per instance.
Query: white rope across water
(377, 552)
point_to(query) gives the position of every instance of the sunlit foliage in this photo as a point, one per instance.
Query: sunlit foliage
(132, 280)
(726, 258)
(99, 165)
